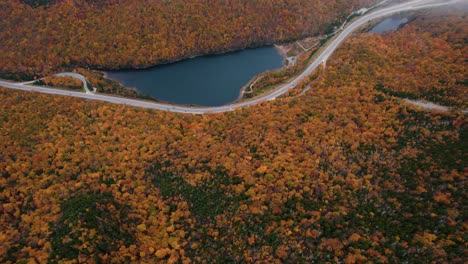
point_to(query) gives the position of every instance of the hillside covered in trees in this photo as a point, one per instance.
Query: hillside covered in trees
(345, 173)
(43, 37)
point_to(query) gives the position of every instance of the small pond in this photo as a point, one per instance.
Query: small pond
(388, 24)
(205, 81)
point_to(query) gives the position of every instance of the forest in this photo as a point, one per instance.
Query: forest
(61, 82)
(39, 38)
(347, 173)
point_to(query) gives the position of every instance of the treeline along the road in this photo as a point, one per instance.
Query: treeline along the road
(38, 39)
(345, 173)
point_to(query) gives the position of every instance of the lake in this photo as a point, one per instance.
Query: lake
(391, 23)
(206, 81)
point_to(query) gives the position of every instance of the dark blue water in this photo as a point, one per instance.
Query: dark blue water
(206, 81)
(391, 23)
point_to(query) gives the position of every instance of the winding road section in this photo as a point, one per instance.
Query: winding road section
(86, 85)
(325, 53)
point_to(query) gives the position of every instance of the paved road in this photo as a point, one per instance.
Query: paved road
(325, 53)
(86, 85)
(431, 106)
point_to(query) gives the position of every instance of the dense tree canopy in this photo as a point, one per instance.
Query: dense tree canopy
(345, 173)
(137, 33)
(444, 80)
(66, 82)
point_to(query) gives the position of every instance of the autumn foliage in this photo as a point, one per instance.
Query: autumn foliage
(444, 80)
(61, 82)
(38, 41)
(104, 85)
(345, 173)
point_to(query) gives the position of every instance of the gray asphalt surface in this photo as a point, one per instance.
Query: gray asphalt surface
(325, 53)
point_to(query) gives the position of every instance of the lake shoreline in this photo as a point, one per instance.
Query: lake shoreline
(186, 58)
(210, 80)
(281, 48)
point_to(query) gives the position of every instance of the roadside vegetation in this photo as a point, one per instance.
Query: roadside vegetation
(344, 173)
(271, 79)
(104, 85)
(301, 52)
(66, 82)
(141, 33)
(446, 80)
(107, 86)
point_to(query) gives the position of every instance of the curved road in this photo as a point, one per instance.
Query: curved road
(326, 52)
(86, 85)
